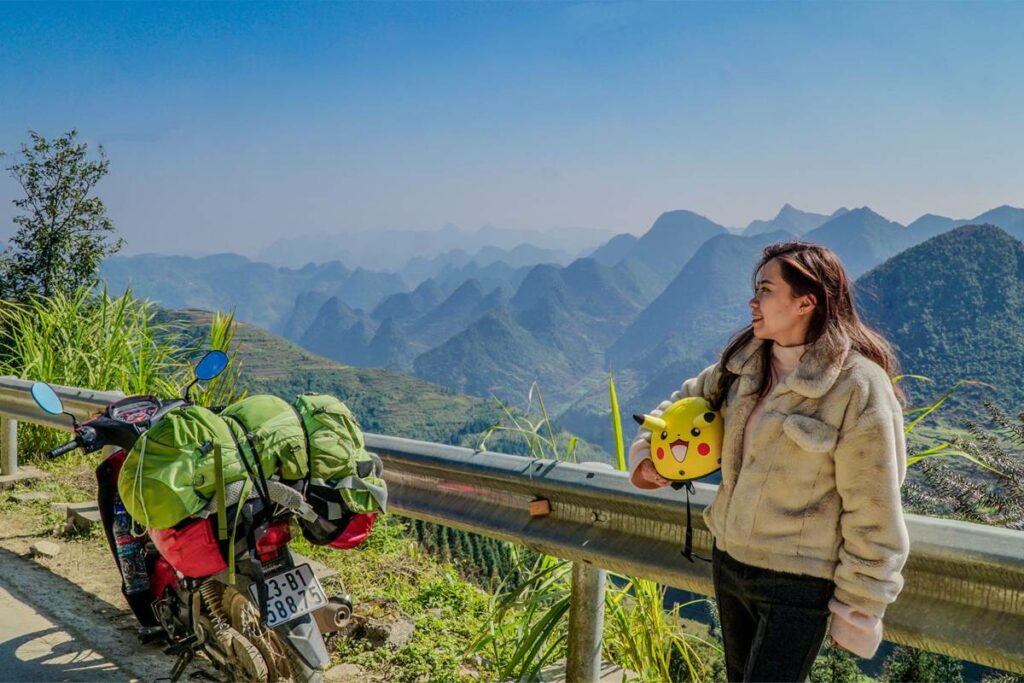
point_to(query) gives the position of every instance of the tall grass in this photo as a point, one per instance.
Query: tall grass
(528, 626)
(106, 343)
(534, 429)
(88, 340)
(942, 448)
(528, 623)
(641, 636)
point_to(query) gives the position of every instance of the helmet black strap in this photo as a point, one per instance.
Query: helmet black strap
(687, 550)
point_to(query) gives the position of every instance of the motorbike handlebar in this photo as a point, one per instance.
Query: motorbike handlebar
(61, 450)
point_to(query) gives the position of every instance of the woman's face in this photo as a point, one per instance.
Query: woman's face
(775, 313)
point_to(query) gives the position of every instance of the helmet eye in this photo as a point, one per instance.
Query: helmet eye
(695, 431)
(664, 435)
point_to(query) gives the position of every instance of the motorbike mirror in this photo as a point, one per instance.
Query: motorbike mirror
(211, 365)
(47, 399)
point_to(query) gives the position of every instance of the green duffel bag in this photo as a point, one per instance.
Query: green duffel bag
(178, 465)
(343, 477)
(270, 426)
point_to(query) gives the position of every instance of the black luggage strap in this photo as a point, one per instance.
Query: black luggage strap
(687, 550)
(309, 451)
(254, 560)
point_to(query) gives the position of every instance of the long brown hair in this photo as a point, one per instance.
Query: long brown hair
(813, 269)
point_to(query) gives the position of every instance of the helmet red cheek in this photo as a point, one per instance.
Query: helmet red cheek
(661, 453)
(703, 449)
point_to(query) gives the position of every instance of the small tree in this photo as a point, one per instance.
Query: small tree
(910, 665)
(64, 233)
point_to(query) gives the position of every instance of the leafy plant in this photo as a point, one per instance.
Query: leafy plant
(105, 343)
(997, 497)
(528, 623)
(225, 388)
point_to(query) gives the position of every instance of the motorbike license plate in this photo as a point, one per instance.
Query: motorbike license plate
(290, 594)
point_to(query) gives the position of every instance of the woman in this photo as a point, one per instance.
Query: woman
(807, 522)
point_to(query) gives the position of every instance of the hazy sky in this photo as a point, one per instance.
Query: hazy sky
(230, 125)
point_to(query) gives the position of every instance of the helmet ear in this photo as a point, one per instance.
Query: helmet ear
(704, 419)
(650, 422)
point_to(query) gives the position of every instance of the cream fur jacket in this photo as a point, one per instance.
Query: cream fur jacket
(819, 491)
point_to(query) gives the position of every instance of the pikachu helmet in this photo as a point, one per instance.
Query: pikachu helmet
(686, 441)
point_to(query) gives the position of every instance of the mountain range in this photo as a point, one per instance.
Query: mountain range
(260, 293)
(653, 308)
(391, 250)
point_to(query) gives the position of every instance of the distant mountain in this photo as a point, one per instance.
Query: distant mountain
(260, 293)
(522, 255)
(953, 308)
(390, 250)
(701, 307)
(790, 219)
(1009, 218)
(555, 327)
(407, 305)
(662, 251)
(382, 401)
(340, 333)
(930, 225)
(422, 268)
(614, 250)
(861, 238)
(496, 274)
(493, 356)
(452, 315)
(390, 348)
(304, 312)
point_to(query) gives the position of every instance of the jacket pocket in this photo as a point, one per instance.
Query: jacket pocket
(810, 434)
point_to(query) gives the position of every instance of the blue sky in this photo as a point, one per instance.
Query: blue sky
(230, 125)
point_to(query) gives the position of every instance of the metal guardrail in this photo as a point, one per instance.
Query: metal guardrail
(16, 404)
(964, 583)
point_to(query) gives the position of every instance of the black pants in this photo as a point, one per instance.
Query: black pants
(773, 623)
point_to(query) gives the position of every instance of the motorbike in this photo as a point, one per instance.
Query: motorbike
(266, 625)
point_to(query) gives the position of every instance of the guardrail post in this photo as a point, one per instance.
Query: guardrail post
(586, 624)
(8, 446)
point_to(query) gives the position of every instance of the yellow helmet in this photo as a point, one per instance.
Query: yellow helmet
(686, 441)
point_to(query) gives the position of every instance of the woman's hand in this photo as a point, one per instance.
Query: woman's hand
(646, 472)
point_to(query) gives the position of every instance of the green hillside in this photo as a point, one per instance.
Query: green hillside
(953, 307)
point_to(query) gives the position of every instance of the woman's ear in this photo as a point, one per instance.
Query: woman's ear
(807, 304)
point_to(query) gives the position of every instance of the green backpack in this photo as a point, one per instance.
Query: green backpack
(270, 426)
(178, 465)
(187, 458)
(343, 476)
